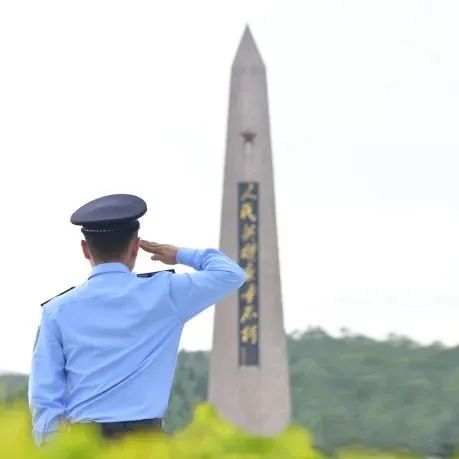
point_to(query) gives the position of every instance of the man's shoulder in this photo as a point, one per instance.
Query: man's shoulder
(57, 296)
(53, 304)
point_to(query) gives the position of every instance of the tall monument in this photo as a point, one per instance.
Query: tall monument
(249, 381)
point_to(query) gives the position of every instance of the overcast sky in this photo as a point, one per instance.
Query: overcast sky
(100, 97)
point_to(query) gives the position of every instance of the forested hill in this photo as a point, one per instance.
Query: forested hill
(354, 390)
(12, 386)
(350, 390)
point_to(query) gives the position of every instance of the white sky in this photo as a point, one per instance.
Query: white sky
(100, 97)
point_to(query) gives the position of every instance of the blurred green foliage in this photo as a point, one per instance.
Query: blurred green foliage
(207, 437)
(351, 390)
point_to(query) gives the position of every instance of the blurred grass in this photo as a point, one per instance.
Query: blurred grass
(207, 437)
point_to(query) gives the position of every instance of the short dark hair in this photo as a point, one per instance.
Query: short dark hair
(106, 246)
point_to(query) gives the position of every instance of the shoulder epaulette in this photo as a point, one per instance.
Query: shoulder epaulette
(156, 272)
(47, 301)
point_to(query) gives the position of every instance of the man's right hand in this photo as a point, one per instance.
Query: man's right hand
(167, 254)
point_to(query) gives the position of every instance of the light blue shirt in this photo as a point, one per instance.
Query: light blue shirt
(106, 351)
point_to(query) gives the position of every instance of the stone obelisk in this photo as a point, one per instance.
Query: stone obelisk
(249, 381)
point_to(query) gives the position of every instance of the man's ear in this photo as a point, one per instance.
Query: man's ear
(85, 248)
(135, 246)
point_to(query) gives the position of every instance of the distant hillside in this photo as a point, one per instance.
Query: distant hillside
(388, 395)
(350, 390)
(12, 386)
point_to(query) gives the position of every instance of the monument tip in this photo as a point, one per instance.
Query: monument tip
(247, 53)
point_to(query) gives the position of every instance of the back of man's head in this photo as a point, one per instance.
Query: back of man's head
(110, 226)
(110, 246)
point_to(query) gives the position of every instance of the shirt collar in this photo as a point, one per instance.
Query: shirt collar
(109, 268)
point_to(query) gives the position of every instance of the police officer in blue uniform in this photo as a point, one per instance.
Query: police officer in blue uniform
(106, 350)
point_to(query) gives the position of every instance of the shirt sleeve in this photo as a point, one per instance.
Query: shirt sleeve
(217, 276)
(47, 383)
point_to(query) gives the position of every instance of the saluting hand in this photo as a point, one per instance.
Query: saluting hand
(161, 252)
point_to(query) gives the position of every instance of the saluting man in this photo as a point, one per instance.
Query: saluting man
(106, 350)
